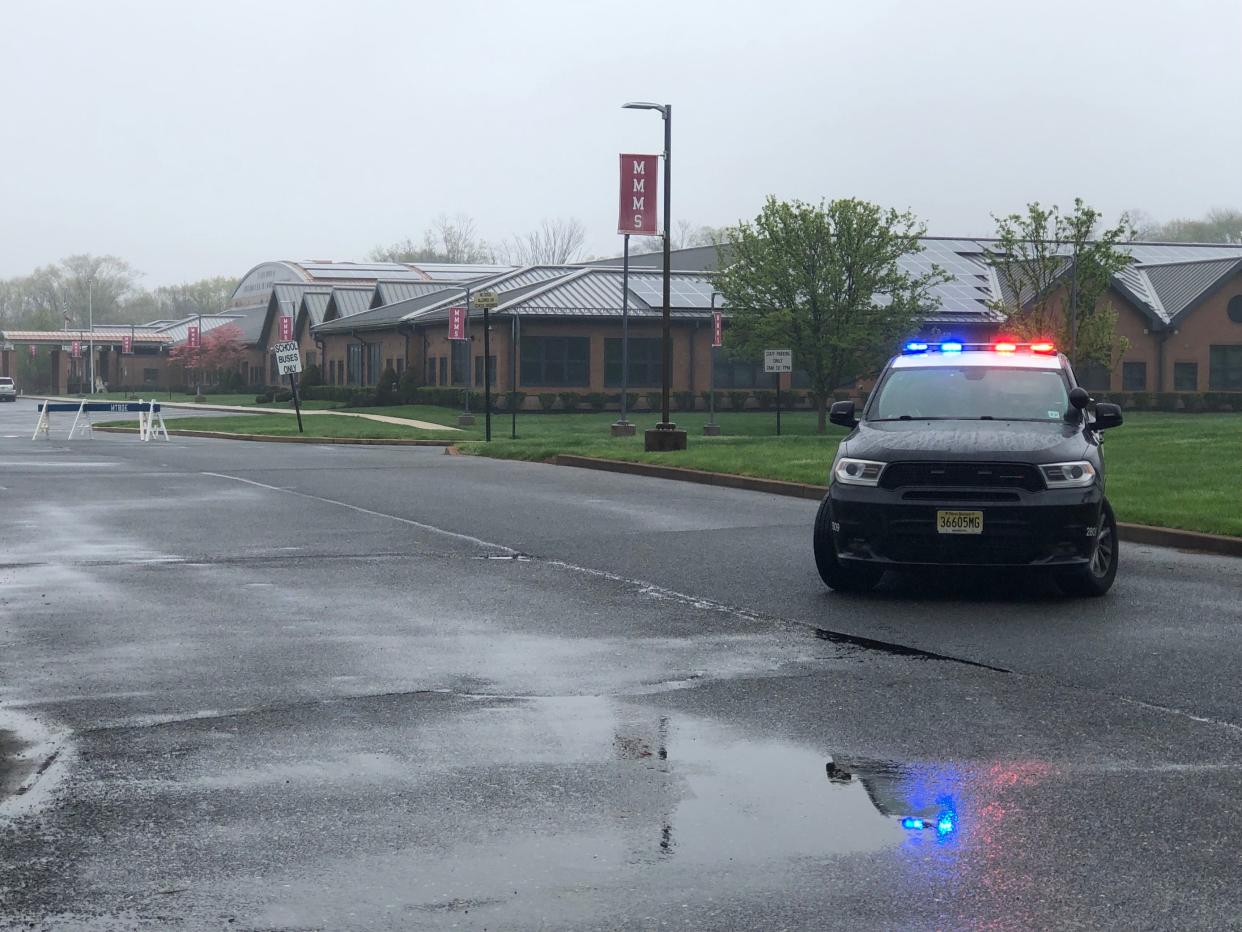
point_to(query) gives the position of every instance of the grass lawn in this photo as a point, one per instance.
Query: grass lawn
(246, 401)
(1170, 470)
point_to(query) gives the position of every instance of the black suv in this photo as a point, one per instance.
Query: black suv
(971, 455)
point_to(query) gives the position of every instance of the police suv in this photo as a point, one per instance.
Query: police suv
(971, 455)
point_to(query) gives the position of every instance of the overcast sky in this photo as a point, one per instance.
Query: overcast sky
(201, 143)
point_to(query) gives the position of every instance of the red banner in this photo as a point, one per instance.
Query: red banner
(638, 194)
(75, 349)
(191, 337)
(34, 350)
(286, 329)
(717, 328)
(127, 344)
(457, 323)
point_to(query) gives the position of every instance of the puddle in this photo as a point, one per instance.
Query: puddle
(32, 760)
(587, 794)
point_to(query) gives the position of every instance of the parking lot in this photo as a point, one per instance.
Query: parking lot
(296, 686)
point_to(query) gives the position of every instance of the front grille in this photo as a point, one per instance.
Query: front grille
(958, 495)
(958, 475)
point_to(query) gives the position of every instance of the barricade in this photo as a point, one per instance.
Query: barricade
(150, 419)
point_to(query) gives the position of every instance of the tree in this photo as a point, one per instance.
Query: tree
(685, 236)
(446, 240)
(554, 243)
(826, 282)
(1220, 225)
(221, 350)
(1054, 270)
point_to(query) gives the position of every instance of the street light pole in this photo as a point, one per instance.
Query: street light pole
(711, 428)
(665, 436)
(90, 323)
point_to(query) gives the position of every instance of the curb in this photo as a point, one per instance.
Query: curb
(1196, 541)
(273, 438)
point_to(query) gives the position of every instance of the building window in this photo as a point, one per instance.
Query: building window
(1134, 376)
(1185, 376)
(444, 370)
(645, 368)
(151, 376)
(478, 369)
(731, 373)
(556, 361)
(373, 361)
(431, 371)
(400, 367)
(1234, 309)
(353, 364)
(1094, 377)
(461, 362)
(1225, 369)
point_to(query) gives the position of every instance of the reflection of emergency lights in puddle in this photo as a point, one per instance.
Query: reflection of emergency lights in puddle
(883, 785)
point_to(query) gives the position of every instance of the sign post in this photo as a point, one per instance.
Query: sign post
(486, 300)
(711, 428)
(777, 361)
(289, 362)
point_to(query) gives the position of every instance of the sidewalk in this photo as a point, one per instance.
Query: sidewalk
(250, 409)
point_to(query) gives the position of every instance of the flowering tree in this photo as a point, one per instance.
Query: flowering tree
(220, 350)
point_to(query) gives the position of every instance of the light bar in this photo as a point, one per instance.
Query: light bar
(914, 347)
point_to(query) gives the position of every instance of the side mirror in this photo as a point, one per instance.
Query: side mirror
(842, 414)
(1106, 416)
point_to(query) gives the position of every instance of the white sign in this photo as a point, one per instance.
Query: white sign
(777, 360)
(288, 358)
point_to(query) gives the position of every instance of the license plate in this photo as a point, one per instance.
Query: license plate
(959, 522)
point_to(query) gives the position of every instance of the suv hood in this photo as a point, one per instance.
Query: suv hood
(1032, 442)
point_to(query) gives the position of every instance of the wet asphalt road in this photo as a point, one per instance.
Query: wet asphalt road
(255, 686)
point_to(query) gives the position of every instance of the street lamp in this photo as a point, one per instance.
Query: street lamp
(665, 436)
(90, 323)
(711, 428)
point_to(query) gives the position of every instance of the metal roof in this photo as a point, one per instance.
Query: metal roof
(348, 301)
(321, 272)
(390, 292)
(459, 271)
(109, 334)
(1177, 285)
(315, 303)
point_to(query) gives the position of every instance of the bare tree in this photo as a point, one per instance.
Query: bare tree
(686, 235)
(1220, 225)
(447, 240)
(555, 242)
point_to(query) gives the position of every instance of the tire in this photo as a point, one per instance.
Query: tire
(1095, 578)
(836, 575)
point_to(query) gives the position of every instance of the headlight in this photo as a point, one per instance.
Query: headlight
(1068, 475)
(857, 472)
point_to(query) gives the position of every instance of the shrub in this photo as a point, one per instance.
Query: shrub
(597, 400)
(547, 400)
(407, 385)
(684, 401)
(737, 400)
(632, 400)
(707, 399)
(337, 393)
(361, 399)
(284, 395)
(1193, 403)
(311, 376)
(386, 390)
(765, 398)
(570, 400)
(265, 399)
(516, 400)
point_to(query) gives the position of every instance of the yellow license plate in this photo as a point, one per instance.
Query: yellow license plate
(959, 522)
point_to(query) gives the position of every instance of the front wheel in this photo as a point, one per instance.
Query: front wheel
(843, 577)
(1096, 577)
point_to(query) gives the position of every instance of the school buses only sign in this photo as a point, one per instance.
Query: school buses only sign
(288, 359)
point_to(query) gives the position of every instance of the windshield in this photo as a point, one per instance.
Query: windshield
(6, 381)
(971, 393)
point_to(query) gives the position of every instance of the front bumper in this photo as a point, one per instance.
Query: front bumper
(1051, 527)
